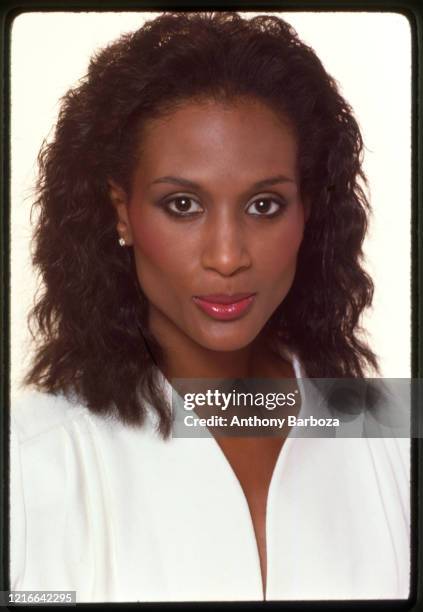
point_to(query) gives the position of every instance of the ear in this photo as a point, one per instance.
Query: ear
(119, 200)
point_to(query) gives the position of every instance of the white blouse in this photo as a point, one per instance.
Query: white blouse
(117, 514)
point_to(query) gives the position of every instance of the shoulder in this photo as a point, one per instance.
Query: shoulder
(34, 413)
(63, 435)
(44, 430)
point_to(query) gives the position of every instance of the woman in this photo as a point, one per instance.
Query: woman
(200, 216)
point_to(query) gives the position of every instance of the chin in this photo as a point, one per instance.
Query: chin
(226, 342)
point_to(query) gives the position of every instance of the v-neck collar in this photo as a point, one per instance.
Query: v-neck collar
(202, 432)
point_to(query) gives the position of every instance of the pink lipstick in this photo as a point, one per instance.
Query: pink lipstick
(225, 307)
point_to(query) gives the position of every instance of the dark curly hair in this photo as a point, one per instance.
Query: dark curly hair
(91, 318)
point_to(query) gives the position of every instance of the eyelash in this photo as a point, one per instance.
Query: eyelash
(280, 202)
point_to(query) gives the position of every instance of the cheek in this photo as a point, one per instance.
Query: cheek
(278, 253)
(162, 252)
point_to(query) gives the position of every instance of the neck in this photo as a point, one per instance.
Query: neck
(184, 358)
(194, 361)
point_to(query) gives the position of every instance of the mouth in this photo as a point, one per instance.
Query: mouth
(225, 307)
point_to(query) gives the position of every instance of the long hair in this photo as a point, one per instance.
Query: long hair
(91, 318)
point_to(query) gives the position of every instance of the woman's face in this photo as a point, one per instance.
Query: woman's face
(215, 220)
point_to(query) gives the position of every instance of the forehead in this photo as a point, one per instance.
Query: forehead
(243, 137)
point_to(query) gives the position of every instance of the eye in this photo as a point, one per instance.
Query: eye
(182, 206)
(267, 206)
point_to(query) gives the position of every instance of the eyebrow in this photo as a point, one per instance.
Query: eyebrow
(273, 180)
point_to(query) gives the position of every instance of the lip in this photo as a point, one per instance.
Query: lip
(223, 307)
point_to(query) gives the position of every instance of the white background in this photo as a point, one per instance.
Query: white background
(369, 54)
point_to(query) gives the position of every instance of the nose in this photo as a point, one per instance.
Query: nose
(225, 247)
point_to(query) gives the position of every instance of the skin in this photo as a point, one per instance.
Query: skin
(224, 159)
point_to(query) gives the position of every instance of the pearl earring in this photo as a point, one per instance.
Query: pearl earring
(122, 242)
